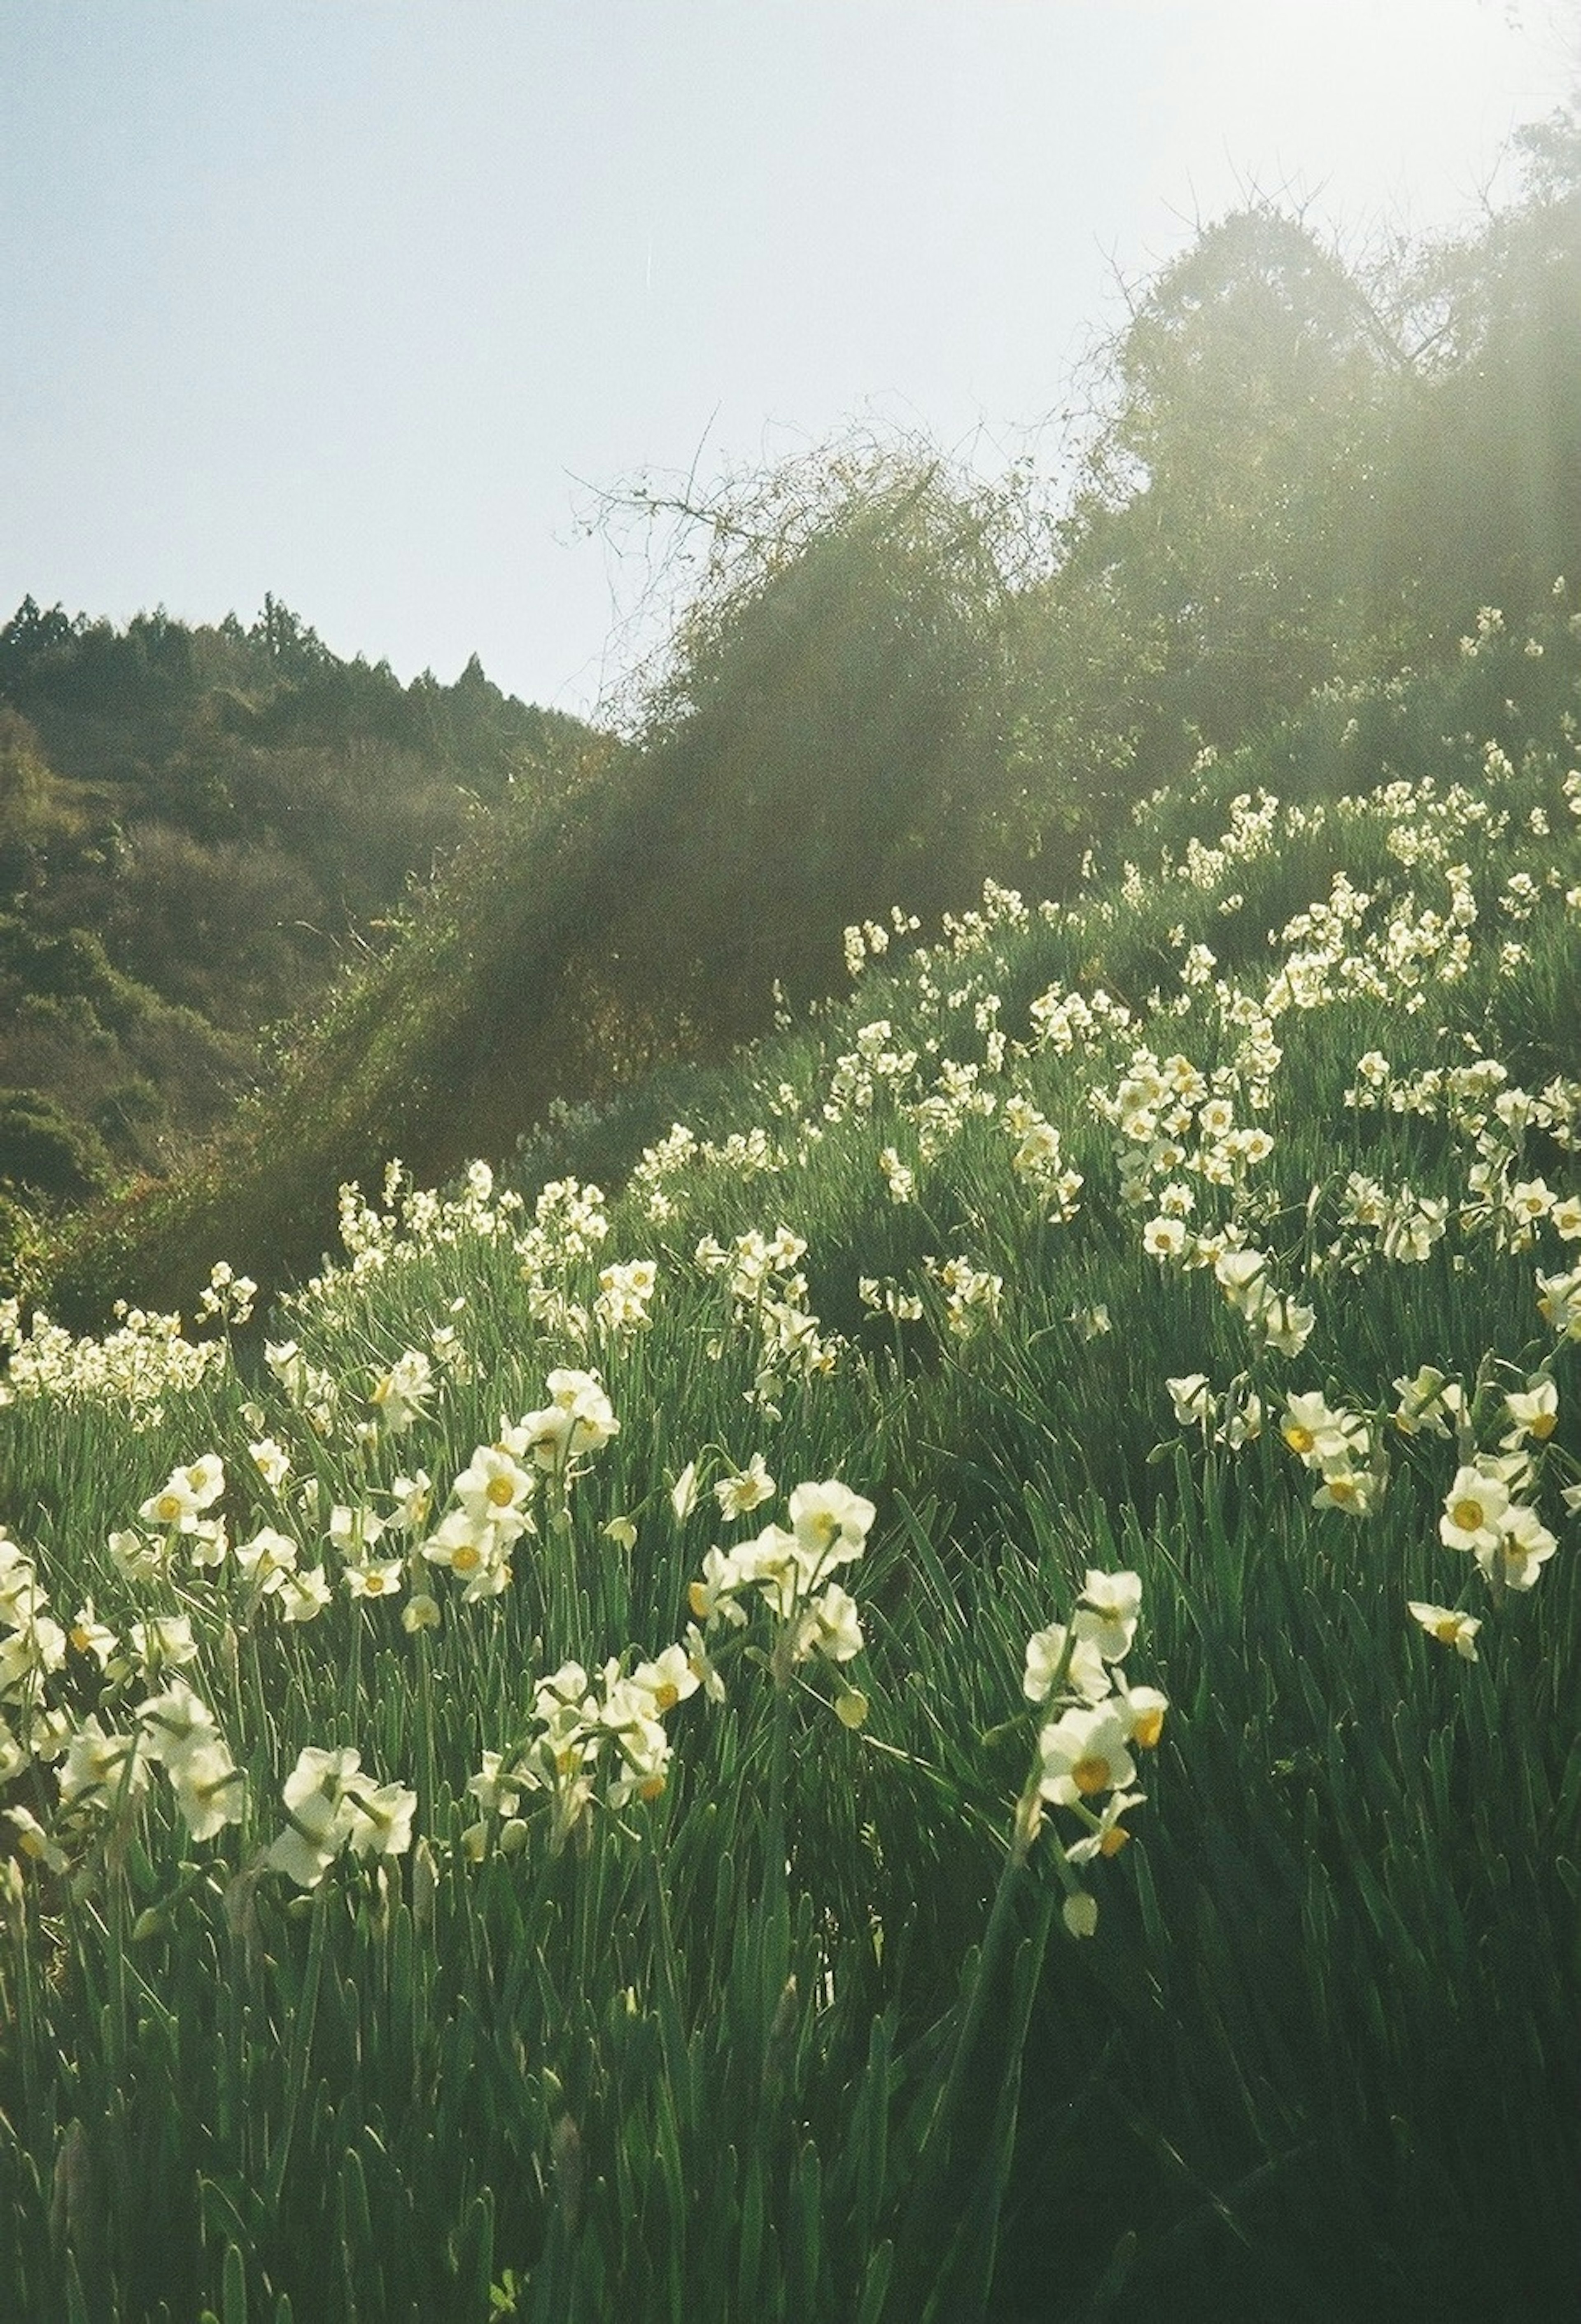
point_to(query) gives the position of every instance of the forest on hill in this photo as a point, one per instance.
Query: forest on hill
(199, 827)
(885, 681)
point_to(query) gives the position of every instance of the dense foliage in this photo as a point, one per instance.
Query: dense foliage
(599, 1768)
(195, 826)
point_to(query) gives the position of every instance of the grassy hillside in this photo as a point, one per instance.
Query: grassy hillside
(885, 682)
(953, 1701)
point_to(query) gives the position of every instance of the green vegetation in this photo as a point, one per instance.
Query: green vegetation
(581, 1991)
(954, 1699)
(196, 827)
(886, 683)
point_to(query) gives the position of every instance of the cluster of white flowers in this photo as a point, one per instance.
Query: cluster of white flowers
(1039, 1161)
(1074, 1674)
(101, 1777)
(768, 1298)
(1337, 1445)
(872, 1069)
(331, 1805)
(1233, 1417)
(1066, 1022)
(958, 1097)
(870, 939)
(971, 1294)
(136, 1366)
(787, 1570)
(589, 1738)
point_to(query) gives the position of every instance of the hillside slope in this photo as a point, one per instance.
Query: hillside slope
(1129, 1348)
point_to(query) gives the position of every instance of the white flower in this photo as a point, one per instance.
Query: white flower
(1474, 1511)
(747, 1491)
(1448, 1627)
(831, 1627)
(1084, 1752)
(1107, 1615)
(830, 1524)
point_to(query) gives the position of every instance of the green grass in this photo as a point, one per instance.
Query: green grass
(802, 2035)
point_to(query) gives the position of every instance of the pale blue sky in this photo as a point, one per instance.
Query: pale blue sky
(339, 297)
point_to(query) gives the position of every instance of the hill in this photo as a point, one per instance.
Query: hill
(887, 681)
(954, 1704)
(198, 827)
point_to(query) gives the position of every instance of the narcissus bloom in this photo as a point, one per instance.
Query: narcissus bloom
(831, 1523)
(1449, 1628)
(1524, 1549)
(1085, 1752)
(1474, 1511)
(1086, 1673)
(1108, 1612)
(1536, 1410)
(738, 1495)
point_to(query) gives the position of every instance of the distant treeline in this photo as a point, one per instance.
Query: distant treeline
(884, 681)
(198, 826)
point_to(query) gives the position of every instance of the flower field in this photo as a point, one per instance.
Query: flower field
(958, 1699)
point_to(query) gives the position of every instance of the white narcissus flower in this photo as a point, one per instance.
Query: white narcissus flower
(271, 1462)
(1108, 1612)
(210, 1790)
(176, 1723)
(1144, 1708)
(1448, 1627)
(1086, 1674)
(1110, 1835)
(88, 1636)
(32, 1841)
(1535, 1411)
(1194, 1400)
(1474, 1511)
(382, 1820)
(493, 1488)
(164, 1643)
(376, 1578)
(266, 1559)
(1085, 1752)
(667, 1680)
(303, 1595)
(831, 1523)
(1524, 1549)
(831, 1627)
(105, 1768)
(320, 1812)
(739, 1495)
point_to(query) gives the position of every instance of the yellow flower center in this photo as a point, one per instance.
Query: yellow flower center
(1091, 1775)
(373, 1585)
(650, 1787)
(1445, 1629)
(1542, 1426)
(168, 1508)
(1113, 1840)
(1147, 1729)
(666, 1697)
(1342, 1489)
(1300, 1440)
(697, 1598)
(500, 1491)
(466, 1558)
(1466, 1515)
